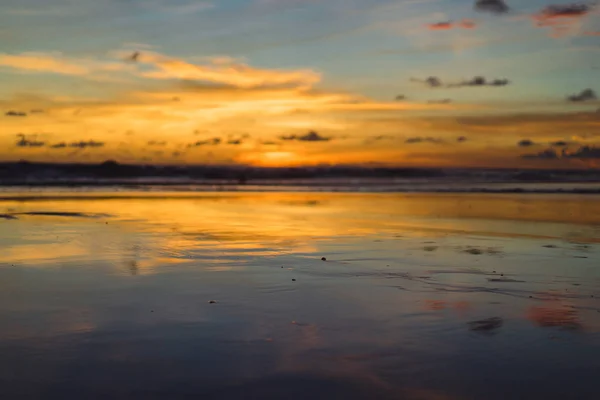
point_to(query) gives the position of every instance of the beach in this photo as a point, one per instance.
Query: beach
(256, 295)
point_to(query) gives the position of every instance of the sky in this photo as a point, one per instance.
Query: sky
(420, 83)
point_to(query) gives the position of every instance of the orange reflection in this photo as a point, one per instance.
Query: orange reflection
(555, 317)
(169, 226)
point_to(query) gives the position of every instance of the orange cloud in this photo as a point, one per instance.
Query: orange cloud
(42, 62)
(56, 63)
(225, 71)
(464, 24)
(561, 19)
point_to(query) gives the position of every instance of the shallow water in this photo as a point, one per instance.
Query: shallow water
(108, 295)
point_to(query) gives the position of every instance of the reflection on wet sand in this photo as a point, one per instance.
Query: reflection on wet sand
(228, 296)
(549, 317)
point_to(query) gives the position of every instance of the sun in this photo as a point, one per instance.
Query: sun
(277, 158)
(271, 159)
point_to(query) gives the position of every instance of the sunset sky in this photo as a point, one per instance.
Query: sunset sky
(469, 83)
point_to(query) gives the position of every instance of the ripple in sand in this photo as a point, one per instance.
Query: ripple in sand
(62, 214)
(505, 280)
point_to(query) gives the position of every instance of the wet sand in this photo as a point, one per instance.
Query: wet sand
(226, 296)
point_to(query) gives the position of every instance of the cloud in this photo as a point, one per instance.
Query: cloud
(60, 145)
(461, 139)
(446, 25)
(400, 97)
(419, 139)
(43, 62)
(584, 95)
(13, 113)
(560, 143)
(525, 143)
(492, 6)
(152, 65)
(85, 144)
(311, 136)
(560, 11)
(25, 142)
(559, 18)
(584, 152)
(208, 142)
(231, 73)
(440, 101)
(548, 154)
(156, 143)
(432, 81)
(234, 142)
(477, 81)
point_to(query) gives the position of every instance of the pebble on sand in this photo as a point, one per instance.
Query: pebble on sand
(212, 302)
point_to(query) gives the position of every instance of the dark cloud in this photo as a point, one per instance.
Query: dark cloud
(269, 143)
(13, 113)
(548, 154)
(492, 6)
(157, 143)
(525, 143)
(85, 144)
(584, 152)
(440, 101)
(400, 97)
(208, 142)
(432, 81)
(584, 95)
(477, 81)
(311, 136)
(419, 139)
(559, 143)
(461, 139)
(562, 11)
(25, 142)
(60, 145)
(36, 111)
(234, 142)
(480, 81)
(176, 154)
